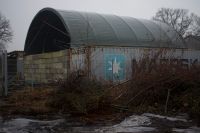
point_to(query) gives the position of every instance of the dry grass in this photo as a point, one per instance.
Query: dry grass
(76, 95)
(29, 101)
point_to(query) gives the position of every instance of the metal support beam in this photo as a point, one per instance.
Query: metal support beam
(55, 28)
(36, 35)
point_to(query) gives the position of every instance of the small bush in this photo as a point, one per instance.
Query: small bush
(148, 89)
(78, 94)
(183, 84)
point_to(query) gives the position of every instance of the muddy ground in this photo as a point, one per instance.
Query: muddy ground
(145, 123)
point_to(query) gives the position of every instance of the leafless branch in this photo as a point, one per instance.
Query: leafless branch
(5, 31)
(179, 19)
(194, 28)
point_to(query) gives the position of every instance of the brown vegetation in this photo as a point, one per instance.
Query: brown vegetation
(158, 88)
(28, 101)
(78, 94)
(161, 88)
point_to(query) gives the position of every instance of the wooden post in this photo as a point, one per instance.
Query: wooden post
(166, 104)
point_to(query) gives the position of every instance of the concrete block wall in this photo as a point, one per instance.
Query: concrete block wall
(46, 67)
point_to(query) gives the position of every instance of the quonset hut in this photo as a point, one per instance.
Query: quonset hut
(105, 46)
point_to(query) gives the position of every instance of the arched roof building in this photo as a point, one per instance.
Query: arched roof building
(53, 30)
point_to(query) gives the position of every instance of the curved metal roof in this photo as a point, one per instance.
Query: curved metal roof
(83, 28)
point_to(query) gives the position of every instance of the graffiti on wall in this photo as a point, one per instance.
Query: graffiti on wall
(114, 67)
(150, 65)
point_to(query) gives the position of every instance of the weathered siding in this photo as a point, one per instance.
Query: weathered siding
(104, 63)
(101, 59)
(77, 59)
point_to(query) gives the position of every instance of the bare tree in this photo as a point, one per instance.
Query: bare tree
(5, 31)
(179, 19)
(194, 28)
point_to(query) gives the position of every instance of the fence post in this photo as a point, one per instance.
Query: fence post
(1, 73)
(5, 74)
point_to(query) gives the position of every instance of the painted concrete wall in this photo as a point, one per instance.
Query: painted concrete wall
(104, 63)
(116, 63)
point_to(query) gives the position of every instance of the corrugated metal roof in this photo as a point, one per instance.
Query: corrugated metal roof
(86, 28)
(101, 29)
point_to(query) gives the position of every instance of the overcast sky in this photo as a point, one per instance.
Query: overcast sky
(21, 12)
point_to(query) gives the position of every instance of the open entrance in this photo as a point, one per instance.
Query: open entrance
(47, 33)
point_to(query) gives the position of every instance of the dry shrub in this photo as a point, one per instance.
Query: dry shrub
(146, 92)
(153, 82)
(152, 79)
(78, 94)
(189, 102)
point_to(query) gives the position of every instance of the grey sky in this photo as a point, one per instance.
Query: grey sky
(21, 12)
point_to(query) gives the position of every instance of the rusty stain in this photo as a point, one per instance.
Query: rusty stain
(69, 58)
(88, 61)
